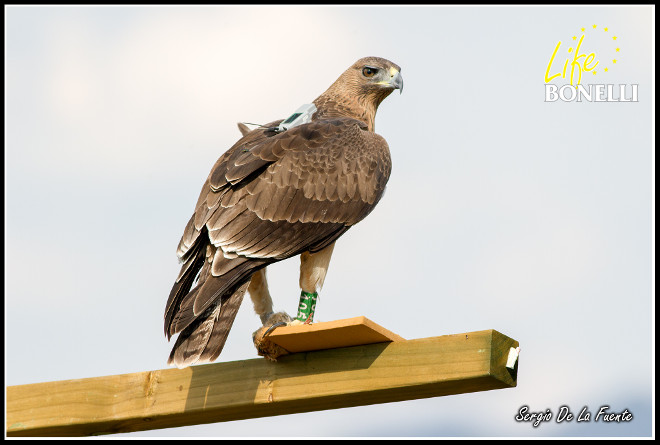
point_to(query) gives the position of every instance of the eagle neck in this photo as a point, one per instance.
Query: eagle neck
(331, 105)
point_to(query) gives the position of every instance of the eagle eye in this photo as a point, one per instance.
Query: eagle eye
(368, 71)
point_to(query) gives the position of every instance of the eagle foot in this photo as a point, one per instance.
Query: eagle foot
(278, 317)
(265, 347)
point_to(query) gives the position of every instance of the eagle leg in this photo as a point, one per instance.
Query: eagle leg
(261, 299)
(313, 269)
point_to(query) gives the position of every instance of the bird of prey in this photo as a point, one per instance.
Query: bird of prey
(279, 192)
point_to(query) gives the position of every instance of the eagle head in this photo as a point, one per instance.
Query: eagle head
(377, 76)
(360, 89)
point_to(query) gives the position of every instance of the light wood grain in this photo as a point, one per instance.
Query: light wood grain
(303, 382)
(331, 334)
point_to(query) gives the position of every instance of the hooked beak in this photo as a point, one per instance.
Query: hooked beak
(397, 81)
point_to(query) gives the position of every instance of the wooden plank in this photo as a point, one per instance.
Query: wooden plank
(331, 334)
(311, 381)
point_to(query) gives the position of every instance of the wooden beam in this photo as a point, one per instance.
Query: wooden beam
(303, 382)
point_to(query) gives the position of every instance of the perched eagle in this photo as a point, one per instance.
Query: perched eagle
(274, 194)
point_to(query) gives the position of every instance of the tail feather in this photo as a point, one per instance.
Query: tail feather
(181, 288)
(203, 340)
(204, 314)
(223, 325)
(231, 272)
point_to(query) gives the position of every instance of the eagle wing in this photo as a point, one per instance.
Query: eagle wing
(272, 196)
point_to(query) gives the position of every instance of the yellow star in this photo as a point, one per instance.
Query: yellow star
(613, 60)
(617, 50)
(582, 29)
(614, 38)
(574, 38)
(594, 26)
(606, 70)
(606, 29)
(594, 72)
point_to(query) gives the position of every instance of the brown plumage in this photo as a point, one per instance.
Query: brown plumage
(275, 195)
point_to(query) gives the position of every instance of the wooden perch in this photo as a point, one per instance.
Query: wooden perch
(296, 383)
(317, 336)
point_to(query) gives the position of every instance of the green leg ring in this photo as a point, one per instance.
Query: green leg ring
(307, 306)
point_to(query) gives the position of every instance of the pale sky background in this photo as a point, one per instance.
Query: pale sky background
(502, 212)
